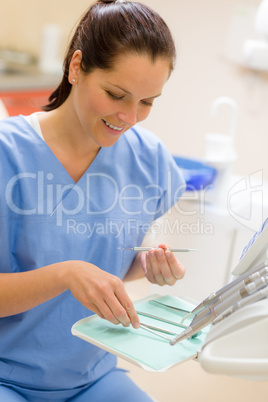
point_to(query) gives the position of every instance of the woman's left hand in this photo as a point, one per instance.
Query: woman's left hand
(161, 267)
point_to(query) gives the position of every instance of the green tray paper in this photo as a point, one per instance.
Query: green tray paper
(139, 346)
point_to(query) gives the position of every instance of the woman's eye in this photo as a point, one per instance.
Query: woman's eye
(113, 96)
(121, 97)
(147, 103)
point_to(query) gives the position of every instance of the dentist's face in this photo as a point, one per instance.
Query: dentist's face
(109, 102)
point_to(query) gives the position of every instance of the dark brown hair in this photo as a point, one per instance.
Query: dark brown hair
(108, 30)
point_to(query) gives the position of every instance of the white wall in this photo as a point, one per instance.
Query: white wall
(182, 117)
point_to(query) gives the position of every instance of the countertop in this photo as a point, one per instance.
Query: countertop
(29, 78)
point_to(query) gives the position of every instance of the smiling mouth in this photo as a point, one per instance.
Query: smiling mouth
(112, 127)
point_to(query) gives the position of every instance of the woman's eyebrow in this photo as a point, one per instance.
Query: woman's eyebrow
(129, 93)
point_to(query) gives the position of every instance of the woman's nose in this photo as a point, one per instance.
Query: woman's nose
(128, 116)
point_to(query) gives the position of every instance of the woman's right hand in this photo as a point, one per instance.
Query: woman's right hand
(101, 292)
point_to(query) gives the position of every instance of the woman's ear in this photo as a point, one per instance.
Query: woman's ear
(74, 68)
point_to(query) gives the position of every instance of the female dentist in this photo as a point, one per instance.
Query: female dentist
(80, 182)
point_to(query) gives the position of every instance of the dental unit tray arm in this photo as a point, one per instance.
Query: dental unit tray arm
(238, 345)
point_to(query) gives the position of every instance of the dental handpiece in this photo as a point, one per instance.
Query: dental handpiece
(232, 299)
(256, 296)
(225, 288)
(251, 278)
(212, 313)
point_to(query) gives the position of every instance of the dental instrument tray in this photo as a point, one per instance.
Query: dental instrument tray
(148, 346)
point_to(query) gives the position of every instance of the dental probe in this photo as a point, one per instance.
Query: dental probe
(253, 277)
(153, 331)
(173, 250)
(160, 304)
(214, 312)
(161, 319)
(257, 296)
(214, 295)
(158, 329)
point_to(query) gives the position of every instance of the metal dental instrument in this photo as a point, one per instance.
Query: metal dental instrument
(165, 331)
(167, 322)
(197, 325)
(170, 307)
(211, 298)
(161, 319)
(257, 296)
(173, 250)
(154, 331)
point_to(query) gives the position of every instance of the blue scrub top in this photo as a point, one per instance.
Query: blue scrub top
(45, 217)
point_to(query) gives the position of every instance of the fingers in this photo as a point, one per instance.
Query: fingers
(123, 309)
(104, 311)
(116, 312)
(104, 294)
(162, 267)
(155, 260)
(149, 269)
(118, 309)
(176, 267)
